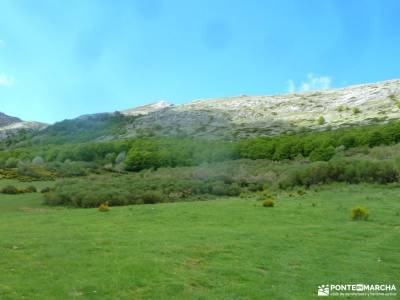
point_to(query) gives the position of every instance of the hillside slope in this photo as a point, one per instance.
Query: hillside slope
(226, 118)
(10, 125)
(246, 116)
(6, 120)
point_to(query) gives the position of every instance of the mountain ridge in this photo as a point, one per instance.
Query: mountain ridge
(234, 117)
(10, 125)
(245, 116)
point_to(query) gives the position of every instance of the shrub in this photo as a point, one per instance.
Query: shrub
(268, 202)
(322, 153)
(30, 189)
(9, 189)
(321, 120)
(256, 187)
(359, 213)
(110, 157)
(38, 160)
(233, 190)
(104, 207)
(12, 162)
(301, 192)
(45, 190)
(151, 197)
(350, 171)
(36, 172)
(340, 108)
(219, 189)
(356, 110)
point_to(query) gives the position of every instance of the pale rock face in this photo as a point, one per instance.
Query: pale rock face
(244, 116)
(10, 125)
(6, 120)
(146, 109)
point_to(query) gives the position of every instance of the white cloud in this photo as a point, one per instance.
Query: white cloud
(311, 84)
(6, 80)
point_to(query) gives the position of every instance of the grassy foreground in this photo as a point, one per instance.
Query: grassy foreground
(225, 249)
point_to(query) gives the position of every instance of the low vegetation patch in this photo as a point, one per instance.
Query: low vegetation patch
(359, 213)
(350, 171)
(46, 161)
(104, 207)
(12, 190)
(268, 203)
(210, 181)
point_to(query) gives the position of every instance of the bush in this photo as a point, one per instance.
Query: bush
(36, 172)
(10, 189)
(38, 160)
(233, 190)
(301, 192)
(104, 207)
(349, 171)
(268, 202)
(45, 190)
(356, 110)
(191, 183)
(322, 153)
(151, 197)
(359, 213)
(321, 120)
(340, 108)
(110, 157)
(12, 162)
(30, 189)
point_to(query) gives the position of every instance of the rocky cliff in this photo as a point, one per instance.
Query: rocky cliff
(244, 116)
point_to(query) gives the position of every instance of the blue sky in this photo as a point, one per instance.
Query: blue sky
(61, 59)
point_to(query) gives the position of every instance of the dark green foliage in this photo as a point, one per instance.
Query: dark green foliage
(9, 189)
(230, 178)
(223, 189)
(11, 162)
(83, 129)
(155, 153)
(321, 120)
(151, 153)
(163, 185)
(12, 190)
(152, 197)
(350, 171)
(301, 192)
(359, 213)
(30, 189)
(322, 153)
(268, 203)
(45, 190)
(318, 146)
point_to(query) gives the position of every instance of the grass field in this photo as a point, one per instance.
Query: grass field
(226, 249)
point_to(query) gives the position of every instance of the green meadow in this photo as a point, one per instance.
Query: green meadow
(227, 248)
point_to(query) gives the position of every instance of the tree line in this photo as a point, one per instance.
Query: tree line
(155, 152)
